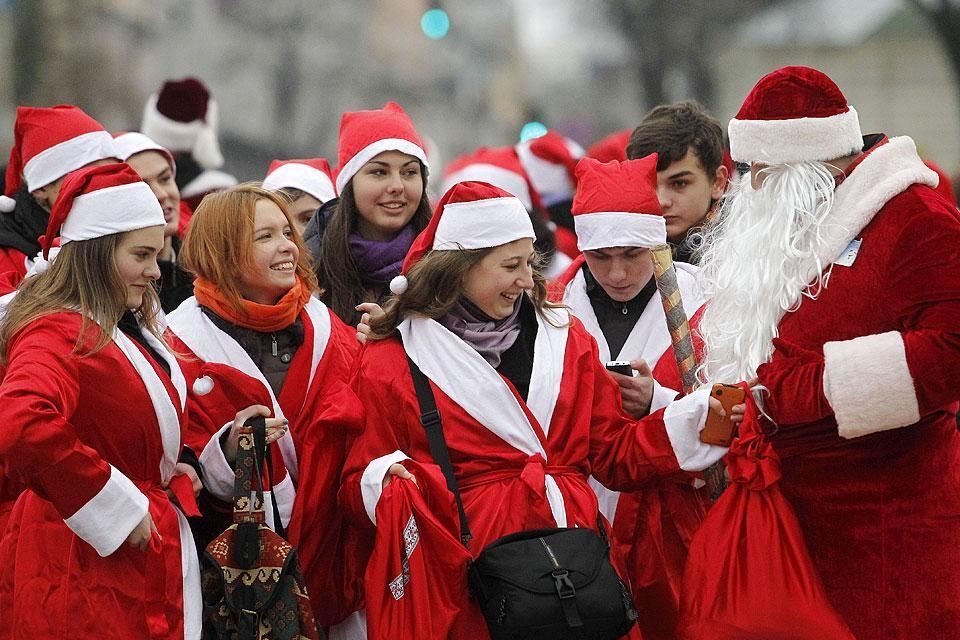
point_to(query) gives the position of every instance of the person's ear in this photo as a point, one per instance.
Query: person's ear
(719, 183)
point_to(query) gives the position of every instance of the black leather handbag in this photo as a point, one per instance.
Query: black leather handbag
(543, 584)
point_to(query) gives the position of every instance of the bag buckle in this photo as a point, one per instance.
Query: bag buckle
(430, 418)
(565, 588)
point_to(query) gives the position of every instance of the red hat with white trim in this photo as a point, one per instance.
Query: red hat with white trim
(616, 204)
(100, 201)
(471, 215)
(49, 143)
(365, 134)
(794, 114)
(130, 143)
(498, 166)
(184, 117)
(550, 162)
(311, 176)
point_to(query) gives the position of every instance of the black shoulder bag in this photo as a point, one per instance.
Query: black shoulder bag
(540, 584)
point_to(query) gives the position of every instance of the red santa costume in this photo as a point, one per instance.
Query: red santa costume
(322, 413)
(859, 335)
(95, 439)
(616, 206)
(311, 175)
(49, 143)
(183, 117)
(520, 462)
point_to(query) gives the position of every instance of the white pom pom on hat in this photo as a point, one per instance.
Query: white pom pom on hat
(202, 386)
(399, 284)
(7, 204)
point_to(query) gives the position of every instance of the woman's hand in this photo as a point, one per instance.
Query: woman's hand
(184, 469)
(370, 311)
(397, 469)
(139, 538)
(276, 429)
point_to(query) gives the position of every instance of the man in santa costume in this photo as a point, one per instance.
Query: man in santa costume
(183, 117)
(612, 291)
(833, 279)
(49, 143)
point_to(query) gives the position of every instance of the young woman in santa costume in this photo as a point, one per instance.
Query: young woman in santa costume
(382, 206)
(528, 411)
(612, 291)
(253, 309)
(92, 401)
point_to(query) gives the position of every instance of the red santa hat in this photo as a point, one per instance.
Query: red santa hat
(100, 201)
(498, 166)
(130, 143)
(49, 143)
(794, 114)
(184, 117)
(616, 204)
(311, 175)
(222, 389)
(471, 215)
(612, 147)
(550, 162)
(365, 134)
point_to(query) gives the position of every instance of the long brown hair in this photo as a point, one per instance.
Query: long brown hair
(435, 285)
(218, 244)
(83, 278)
(337, 271)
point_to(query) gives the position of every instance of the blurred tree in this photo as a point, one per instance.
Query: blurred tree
(675, 44)
(944, 18)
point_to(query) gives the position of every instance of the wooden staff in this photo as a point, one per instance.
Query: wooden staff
(665, 275)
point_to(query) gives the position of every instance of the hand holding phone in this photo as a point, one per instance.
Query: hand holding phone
(721, 430)
(620, 366)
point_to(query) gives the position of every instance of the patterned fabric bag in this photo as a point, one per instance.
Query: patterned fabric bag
(252, 585)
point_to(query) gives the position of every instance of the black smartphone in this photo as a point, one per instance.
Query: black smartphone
(620, 366)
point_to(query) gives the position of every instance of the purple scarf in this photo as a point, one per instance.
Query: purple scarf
(489, 337)
(379, 261)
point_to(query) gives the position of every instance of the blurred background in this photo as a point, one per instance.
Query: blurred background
(472, 72)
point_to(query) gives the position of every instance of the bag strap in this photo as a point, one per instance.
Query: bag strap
(430, 419)
(248, 485)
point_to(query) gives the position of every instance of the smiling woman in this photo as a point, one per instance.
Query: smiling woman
(253, 309)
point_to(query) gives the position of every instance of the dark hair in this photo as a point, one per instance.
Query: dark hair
(672, 129)
(337, 272)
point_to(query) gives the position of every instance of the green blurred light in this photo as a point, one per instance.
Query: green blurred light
(532, 130)
(435, 24)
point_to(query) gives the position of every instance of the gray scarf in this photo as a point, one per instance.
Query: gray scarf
(489, 337)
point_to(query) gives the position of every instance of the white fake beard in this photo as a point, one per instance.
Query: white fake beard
(759, 257)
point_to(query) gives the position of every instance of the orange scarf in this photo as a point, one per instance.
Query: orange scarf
(265, 318)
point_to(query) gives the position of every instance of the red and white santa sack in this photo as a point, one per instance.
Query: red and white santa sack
(310, 175)
(49, 143)
(616, 204)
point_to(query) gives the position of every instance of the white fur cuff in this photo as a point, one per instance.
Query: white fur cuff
(684, 419)
(371, 482)
(107, 518)
(219, 476)
(867, 382)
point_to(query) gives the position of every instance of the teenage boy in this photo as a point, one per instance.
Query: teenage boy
(691, 175)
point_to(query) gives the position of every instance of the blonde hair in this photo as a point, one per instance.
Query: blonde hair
(83, 278)
(218, 243)
(435, 285)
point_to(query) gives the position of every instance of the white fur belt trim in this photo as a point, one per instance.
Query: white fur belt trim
(867, 382)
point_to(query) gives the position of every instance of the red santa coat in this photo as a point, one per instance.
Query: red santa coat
(95, 439)
(13, 268)
(520, 465)
(324, 416)
(880, 505)
(652, 526)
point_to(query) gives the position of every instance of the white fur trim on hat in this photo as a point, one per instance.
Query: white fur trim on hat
(374, 149)
(868, 384)
(795, 140)
(133, 142)
(509, 181)
(481, 224)
(198, 137)
(111, 210)
(300, 176)
(605, 229)
(552, 181)
(209, 180)
(399, 284)
(60, 159)
(203, 385)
